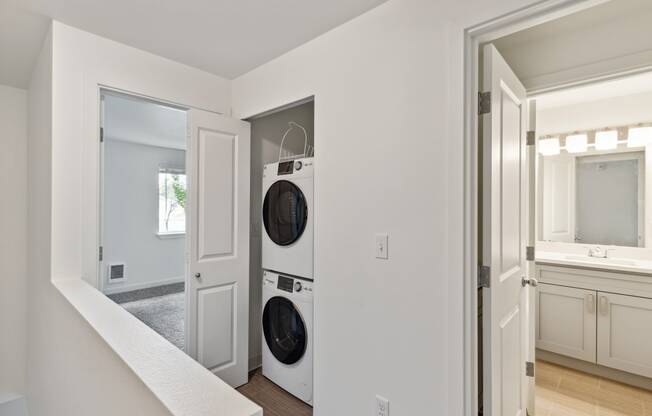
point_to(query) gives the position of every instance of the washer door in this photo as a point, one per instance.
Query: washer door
(284, 329)
(285, 212)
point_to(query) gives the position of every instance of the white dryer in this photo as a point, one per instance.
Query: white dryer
(287, 242)
(287, 333)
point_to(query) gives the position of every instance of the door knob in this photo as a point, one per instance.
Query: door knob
(531, 281)
(197, 275)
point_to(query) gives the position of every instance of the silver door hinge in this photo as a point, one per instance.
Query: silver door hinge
(101, 253)
(529, 369)
(484, 102)
(484, 276)
(531, 137)
(101, 134)
(529, 253)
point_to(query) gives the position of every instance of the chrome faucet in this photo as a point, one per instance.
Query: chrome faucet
(599, 253)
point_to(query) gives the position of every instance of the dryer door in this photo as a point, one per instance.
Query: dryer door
(285, 212)
(285, 330)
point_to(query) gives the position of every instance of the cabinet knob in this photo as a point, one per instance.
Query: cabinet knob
(197, 275)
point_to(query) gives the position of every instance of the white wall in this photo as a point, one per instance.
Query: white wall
(13, 243)
(266, 135)
(131, 217)
(71, 370)
(607, 112)
(389, 93)
(83, 61)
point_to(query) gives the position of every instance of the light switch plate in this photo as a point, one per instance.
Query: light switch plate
(382, 241)
(382, 406)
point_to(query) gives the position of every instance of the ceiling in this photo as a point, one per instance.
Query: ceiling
(593, 16)
(129, 119)
(636, 84)
(224, 37)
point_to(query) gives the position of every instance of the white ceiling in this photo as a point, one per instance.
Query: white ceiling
(21, 37)
(138, 121)
(603, 13)
(636, 84)
(224, 37)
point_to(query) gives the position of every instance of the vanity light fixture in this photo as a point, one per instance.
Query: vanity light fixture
(606, 140)
(577, 143)
(549, 147)
(639, 136)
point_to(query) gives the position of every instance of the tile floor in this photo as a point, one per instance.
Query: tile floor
(274, 400)
(561, 391)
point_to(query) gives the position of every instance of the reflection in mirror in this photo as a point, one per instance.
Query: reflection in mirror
(593, 196)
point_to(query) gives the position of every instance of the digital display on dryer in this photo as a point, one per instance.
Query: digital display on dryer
(285, 168)
(285, 283)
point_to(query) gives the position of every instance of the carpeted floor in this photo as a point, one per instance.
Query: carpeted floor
(164, 314)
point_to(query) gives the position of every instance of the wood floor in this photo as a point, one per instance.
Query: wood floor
(274, 400)
(561, 391)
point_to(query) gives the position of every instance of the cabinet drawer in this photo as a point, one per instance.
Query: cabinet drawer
(566, 322)
(625, 333)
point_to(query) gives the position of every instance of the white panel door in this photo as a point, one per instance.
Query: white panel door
(625, 333)
(559, 198)
(218, 277)
(566, 321)
(504, 203)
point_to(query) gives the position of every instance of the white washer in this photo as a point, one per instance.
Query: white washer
(287, 333)
(288, 217)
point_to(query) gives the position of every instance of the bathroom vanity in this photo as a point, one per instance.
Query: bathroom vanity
(595, 314)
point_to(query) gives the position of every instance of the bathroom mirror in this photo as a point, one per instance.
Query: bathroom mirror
(592, 197)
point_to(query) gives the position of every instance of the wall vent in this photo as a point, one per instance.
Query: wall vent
(116, 272)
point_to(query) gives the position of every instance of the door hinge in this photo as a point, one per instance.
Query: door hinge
(529, 368)
(484, 276)
(529, 253)
(531, 137)
(484, 102)
(101, 253)
(101, 134)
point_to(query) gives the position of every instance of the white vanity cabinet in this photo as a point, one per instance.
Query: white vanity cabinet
(566, 321)
(625, 333)
(602, 317)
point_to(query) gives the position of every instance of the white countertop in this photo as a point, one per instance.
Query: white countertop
(610, 264)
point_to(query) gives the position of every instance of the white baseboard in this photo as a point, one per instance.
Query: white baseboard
(12, 405)
(113, 288)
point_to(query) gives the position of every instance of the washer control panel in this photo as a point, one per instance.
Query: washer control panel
(287, 283)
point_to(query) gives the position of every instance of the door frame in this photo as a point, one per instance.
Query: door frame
(474, 37)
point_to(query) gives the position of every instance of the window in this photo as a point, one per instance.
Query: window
(171, 201)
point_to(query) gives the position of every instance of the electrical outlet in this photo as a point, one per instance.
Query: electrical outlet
(382, 406)
(382, 240)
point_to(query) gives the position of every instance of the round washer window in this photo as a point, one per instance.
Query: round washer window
(285, 212)
(284, 329)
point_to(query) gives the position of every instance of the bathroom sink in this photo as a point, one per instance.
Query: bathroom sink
(621, 262)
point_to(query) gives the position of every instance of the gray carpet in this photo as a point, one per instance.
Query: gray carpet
(164, 314)
(149, 292)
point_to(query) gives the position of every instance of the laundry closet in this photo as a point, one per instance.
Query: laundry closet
(282, 245)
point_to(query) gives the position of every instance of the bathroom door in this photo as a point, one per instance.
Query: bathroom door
(504, 239)
(217, 283)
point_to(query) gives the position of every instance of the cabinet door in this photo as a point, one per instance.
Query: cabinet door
(625, 333)
(566, 321)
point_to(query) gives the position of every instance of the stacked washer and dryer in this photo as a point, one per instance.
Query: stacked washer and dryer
(287, 260)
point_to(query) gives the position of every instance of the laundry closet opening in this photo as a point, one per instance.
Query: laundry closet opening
(281, 259)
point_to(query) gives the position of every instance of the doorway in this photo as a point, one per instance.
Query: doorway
(572, 353)
(143, 206)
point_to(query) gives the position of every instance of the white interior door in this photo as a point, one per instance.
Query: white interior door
(217, 286)
(504, 218)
